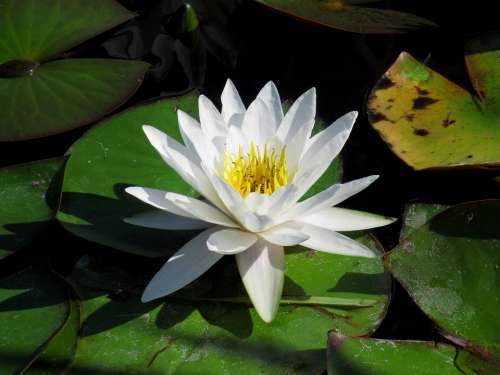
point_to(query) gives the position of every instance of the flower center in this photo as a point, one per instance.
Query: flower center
(255, 171)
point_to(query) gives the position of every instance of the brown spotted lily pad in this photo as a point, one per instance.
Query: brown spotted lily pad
(431, 122)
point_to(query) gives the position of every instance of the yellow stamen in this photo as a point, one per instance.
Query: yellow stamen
(256, 172)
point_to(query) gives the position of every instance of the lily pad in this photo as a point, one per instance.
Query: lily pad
(194, 332)
(431, 122)
(29, 195)
(41, 98)
(111, 156)
(450, 266)
(348, 16)
(362, 356)
(416, 215)
(61, 349)
(38, 30)
(31, 298)
(116, 154)
(471, 364)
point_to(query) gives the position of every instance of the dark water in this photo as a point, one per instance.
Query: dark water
(254, 45)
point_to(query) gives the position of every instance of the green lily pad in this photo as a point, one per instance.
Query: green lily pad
(363, 356)
(38, 30)
(65, 94)
(193, 333)
(116, 154)
(416, 215)
(348, 16)
(29, 195)
(61, 349)
(450, 266)
(471, 364)
(430, 122)
(111, 156)
(40, 98)
(34, 306)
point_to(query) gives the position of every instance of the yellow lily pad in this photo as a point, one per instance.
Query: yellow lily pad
(431, 122)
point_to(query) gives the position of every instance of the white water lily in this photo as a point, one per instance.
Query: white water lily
(252, 167)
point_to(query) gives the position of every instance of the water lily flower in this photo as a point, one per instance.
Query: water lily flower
(252, 166)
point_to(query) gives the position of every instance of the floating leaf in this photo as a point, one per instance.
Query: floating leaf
(450, 266)
(362, 356)
(345, 15)
(111, 156)
(473, 365)
(64, 94)
(34, 307)
(416, 215)
(200, 336)
(40, 99)
(430, 122)
(29, 195)
(38, 30)
(116, 154)
(61, 349)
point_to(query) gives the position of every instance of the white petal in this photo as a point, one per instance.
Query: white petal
(295, 148)
(231, 198)
(269, 95)
(181, 205)
(324, 147)
(235, 140)
(300, 114)
(158, 219)
(183, 161)
(186, 265)
(211, 120)
(236, 120)
(335, 194)
(256, 126)
(262, 271)
(280, 200)
(342, 219)
(256, 202)
(273, 205)
(156, 198)
(334, 136)
(200, 210)
(288, 234)
(231, 102)
(239, 209)
(230, 241)
(194, 138)
(332, 242)
(256, 223)
(191, 133)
